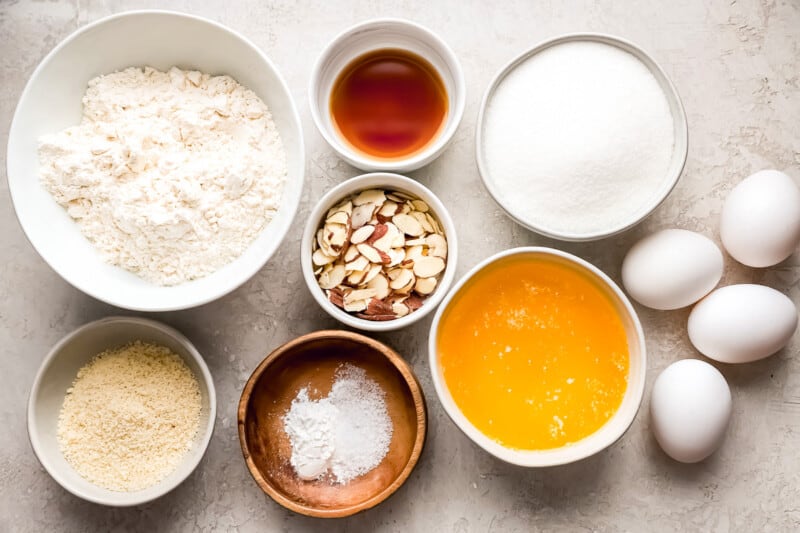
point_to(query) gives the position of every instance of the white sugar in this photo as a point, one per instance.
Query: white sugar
(579, 138)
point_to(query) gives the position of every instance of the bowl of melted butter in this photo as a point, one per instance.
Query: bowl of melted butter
(538, 357)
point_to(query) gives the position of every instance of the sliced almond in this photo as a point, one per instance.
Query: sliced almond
(419, 205)
(360, 294)
(385, 243)
(402, 280)
(320, 258)
(376, 307)
(437, 244)
(336, 297)
(425, 286)
(380, 231)
(388, 209)
(400, 309)
(395, 198)
(318, 271)
(350, 254)
(437, 228)
(419, 241)
(403, 195)
(357, 277)
(374, 270)
(394, 273)
(370, 196)
(339, 217)
(361, 215)
(362, 234)
(396, 256)
(413, 302)
(414, 253)
(423, 220)
(354, 306)
(370, 253)
(428, 266)
(345, 207)
(381, 286)
(336, 235)
(359, 263)
(408, 225)
(333, 277)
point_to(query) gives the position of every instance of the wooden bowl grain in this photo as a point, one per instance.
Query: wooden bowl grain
(311, 361)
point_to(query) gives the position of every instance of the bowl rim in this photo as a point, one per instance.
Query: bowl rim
(208, 430)
(670, 93)
(537, 458)
(417, 159)
(389, 180)
(395, 360)
(221, 289)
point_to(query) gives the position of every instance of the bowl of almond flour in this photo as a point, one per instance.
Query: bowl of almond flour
(121, 411)
(156, 160)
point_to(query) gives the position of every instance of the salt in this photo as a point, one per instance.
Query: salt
(578, 139)
(346, 434)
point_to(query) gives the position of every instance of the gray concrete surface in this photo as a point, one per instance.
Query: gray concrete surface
(736, 65)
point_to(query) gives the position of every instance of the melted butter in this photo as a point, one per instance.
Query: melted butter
(534, 354)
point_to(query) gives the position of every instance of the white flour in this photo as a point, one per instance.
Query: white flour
(579, 138)
(171, 175)
(347, 433)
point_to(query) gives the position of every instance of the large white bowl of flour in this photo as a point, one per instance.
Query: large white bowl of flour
(51, 102)
(581, 137)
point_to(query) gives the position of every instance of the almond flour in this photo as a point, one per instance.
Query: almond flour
(170, 175)
(130, 417)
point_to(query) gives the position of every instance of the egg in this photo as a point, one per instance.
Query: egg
(742, 323)
(760, 223)
(671, 269)
(690, 408)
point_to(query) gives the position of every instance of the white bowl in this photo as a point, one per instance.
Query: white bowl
(680, 129)
(375, 35)
(51, 102)
(613, 429)
(378, 180)
(56, 375)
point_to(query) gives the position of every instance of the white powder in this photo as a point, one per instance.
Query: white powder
(130, 417)
(579, 138)
(346, 434)
(170, 175)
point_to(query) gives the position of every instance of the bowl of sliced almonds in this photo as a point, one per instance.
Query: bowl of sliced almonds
(379, 252)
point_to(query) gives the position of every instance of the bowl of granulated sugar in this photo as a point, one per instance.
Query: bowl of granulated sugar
(332, 423)
(581, 137)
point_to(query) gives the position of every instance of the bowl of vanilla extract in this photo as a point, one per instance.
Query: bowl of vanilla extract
(387, 94)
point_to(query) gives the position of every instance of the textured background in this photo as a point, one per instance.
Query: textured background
(737, 66)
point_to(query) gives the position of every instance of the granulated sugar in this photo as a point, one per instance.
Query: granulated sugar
(130, 417)
(344, 435)
(578, 138)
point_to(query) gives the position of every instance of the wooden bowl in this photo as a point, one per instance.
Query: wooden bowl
(311, 361)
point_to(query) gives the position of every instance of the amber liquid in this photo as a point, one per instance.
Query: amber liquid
(389, 103)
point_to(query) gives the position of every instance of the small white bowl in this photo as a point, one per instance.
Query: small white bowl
(378, 180)
(613, 428)
(375, 35)
(680, 129)
(51, 102)
(57, 373)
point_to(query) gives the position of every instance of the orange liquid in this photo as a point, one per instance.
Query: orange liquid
(389, 103)
(534, 354)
